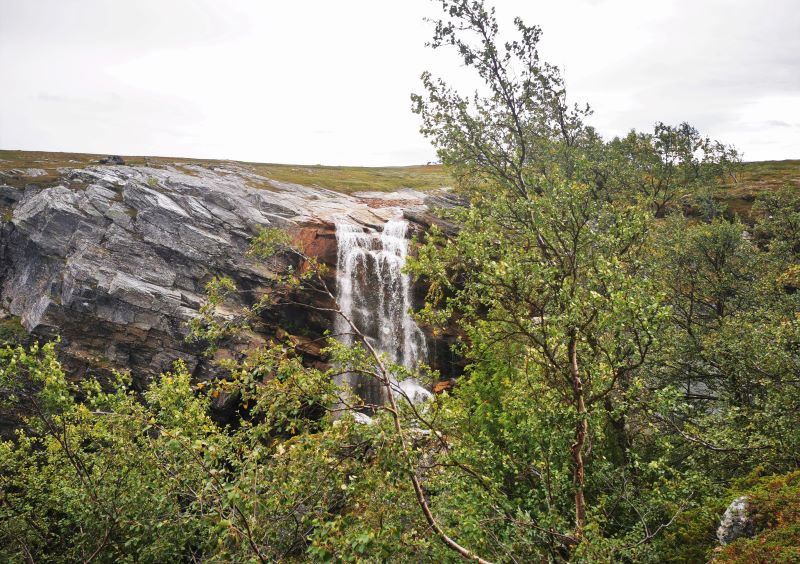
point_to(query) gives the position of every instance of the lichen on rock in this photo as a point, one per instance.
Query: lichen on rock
(736, 522)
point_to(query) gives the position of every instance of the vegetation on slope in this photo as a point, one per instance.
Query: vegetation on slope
(754, 179)
(775, 510)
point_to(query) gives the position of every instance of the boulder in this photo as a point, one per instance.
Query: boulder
(736, 522)
(112, 159)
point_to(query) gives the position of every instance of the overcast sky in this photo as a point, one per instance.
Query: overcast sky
(322, 81)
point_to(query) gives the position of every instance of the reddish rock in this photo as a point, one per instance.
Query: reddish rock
(444, 386)
(317, 240)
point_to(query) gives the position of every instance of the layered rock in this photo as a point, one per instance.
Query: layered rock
(114, 258)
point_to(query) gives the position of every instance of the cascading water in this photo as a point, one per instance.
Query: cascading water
(375, 294)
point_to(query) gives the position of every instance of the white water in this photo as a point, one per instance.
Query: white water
(375, 294)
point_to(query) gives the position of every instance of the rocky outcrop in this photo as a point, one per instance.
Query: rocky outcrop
(114, 258)
(112, 159)
(736, 522)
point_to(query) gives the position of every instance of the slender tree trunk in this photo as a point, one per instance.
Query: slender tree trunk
(620, 433)
(581, 432)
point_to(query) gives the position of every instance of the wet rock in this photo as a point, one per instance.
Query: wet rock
(426, 215)
(411, 390)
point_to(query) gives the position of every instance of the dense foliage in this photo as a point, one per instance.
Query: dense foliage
(633, 364)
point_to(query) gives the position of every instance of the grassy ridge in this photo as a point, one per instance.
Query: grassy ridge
(755, 178)
(349, 179)
(752, 179)
(346, 179)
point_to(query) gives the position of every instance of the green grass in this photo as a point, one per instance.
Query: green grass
(349, 179)
(12, 333)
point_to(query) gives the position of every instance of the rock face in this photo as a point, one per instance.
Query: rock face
(735, 522)
(114, 258)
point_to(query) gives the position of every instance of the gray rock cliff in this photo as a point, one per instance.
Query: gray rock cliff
(114, 258)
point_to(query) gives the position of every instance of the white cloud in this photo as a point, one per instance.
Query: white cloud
(329, 82)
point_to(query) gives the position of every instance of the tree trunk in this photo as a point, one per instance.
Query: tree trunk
(581, 432)
(619, 434)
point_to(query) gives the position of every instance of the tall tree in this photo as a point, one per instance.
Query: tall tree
(548, 257)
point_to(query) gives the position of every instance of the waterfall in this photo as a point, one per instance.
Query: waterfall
(375, 293)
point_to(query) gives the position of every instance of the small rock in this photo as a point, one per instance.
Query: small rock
(736, 522)
(112, 159)
(362, 418)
